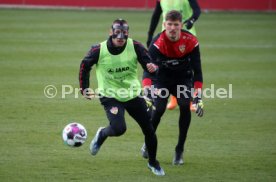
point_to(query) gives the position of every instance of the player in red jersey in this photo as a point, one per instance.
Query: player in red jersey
(190, 11)
(177, 54)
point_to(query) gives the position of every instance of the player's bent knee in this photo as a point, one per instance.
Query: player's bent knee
(119, 131)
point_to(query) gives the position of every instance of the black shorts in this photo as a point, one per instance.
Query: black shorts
(115, 112)
(178, 88)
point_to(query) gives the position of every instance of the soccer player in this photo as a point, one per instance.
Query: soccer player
(190, 11)
(119, 88)
(177, 54)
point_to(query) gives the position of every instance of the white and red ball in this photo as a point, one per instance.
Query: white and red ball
(74, 134)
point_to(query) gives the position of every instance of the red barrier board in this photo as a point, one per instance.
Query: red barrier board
(261, 5)
(258, 5)
(85, 3)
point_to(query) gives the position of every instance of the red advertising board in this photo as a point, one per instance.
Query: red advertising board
(255, 5)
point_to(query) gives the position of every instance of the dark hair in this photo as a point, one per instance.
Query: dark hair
(121, 22)
(173, 15)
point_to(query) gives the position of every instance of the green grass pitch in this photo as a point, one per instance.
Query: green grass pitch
(234, 141)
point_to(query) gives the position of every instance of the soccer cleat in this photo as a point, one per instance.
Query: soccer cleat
(172, 104)
(94, 146)
(178, 158)
(156, 169)
(144, 151)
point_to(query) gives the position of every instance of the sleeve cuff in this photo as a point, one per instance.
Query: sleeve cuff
(146, 82)
(198, 84)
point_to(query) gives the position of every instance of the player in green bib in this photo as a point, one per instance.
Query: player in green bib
(119, 89)
(115, 73)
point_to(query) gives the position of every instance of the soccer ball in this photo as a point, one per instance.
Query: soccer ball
(74, 135)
